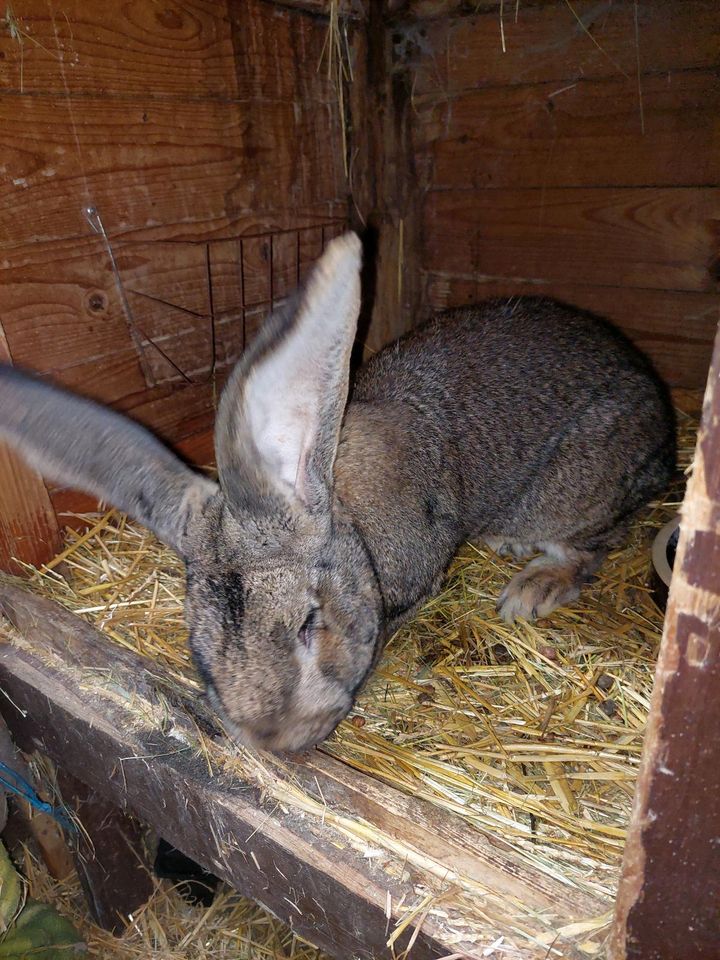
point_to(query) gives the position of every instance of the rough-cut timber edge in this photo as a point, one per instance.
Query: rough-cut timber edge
(668, 906)
(80, 699)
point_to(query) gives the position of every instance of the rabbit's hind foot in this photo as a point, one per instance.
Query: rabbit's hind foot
(547, 582)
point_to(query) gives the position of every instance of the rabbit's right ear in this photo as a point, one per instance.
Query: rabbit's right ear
(80, 444)
(279, 420)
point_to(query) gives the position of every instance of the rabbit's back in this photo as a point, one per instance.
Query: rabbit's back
(548, 422)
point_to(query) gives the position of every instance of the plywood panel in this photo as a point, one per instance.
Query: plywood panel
(676, 329)
(546, 42)
(661, 238)
(59, 304)
(586, 133)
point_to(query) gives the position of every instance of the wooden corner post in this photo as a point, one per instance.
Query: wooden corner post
(668, 905)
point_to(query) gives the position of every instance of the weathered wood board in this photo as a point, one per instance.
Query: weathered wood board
(108, 717)
(668, 906)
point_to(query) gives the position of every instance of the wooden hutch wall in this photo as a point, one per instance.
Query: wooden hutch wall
(185, 124)
(583, 162)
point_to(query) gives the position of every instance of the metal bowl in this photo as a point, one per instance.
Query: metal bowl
(663, 558)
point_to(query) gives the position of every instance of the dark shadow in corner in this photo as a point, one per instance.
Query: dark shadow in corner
(368, 286)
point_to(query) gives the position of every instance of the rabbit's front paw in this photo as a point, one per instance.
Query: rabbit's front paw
(544, 584)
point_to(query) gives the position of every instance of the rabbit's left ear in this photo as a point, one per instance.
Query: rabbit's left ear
(279, 420)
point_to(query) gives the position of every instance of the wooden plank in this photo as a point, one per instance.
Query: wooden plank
(338, 898)
(357, 9)
(386, 202)
(667, 906)
(158, 162)
(177, 50)
(181, 49)
(675, 329)
(585, 133)
(60, 304)
(29, 530)
(546, 42)
(110, 855)
(279, 51)
(655, 237)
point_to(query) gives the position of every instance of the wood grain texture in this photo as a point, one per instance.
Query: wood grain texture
(176, 50)
(188, 121)
(584, 133)
(329, 892)
(580, 159)
(142, 164)
(675, 329)
(114, 49)
(667, 907)
(29, 530)
(546, 42)
(660, 238)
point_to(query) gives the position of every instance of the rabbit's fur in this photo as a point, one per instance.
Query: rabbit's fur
(526, 423)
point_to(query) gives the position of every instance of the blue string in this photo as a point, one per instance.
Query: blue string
(11, 781)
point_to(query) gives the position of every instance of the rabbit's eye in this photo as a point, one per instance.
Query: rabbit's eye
(312, 622)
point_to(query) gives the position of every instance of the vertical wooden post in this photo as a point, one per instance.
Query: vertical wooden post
(668, 905)
(29, 529)
(110, 855)
(385, 188)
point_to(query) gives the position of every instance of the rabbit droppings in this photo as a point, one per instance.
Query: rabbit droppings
(526, 423)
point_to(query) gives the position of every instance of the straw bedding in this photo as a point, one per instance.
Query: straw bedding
(533, 732)
(168, 927)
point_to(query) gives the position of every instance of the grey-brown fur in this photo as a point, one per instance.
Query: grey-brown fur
(526, 423)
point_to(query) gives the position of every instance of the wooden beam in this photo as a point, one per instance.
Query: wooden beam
(545, 42)
(75, 690)
(353, 9)
(386, 198)
(658, 237)
(668, 906)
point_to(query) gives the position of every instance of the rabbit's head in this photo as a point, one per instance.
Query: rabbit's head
(283, 605)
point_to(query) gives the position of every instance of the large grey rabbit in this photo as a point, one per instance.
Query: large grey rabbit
(530, 425)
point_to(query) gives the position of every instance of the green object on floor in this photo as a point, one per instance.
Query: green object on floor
(42, 934)
(11, 891)
(31, 930)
